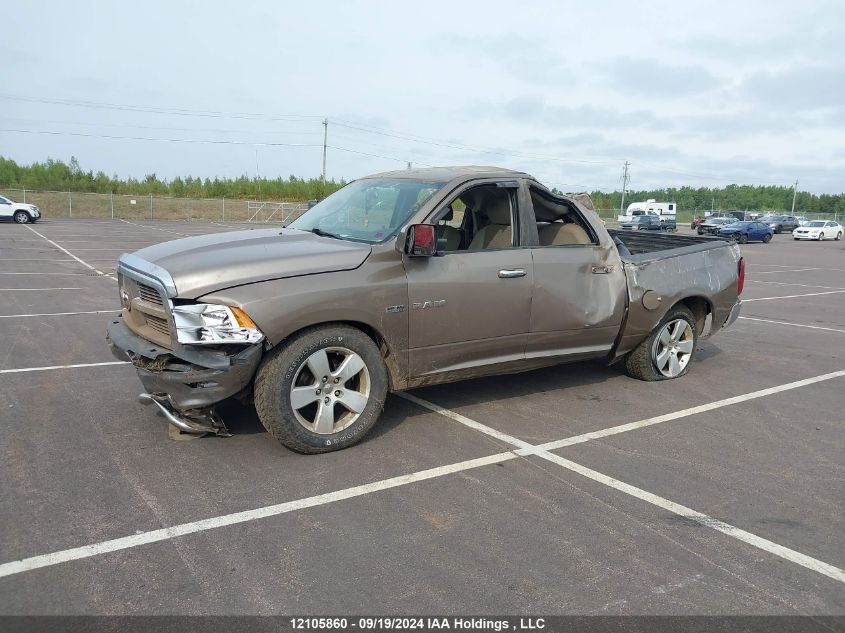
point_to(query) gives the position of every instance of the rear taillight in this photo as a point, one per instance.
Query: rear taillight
(740, 281)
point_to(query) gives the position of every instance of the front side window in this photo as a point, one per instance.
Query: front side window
(479, 218)
(369, 210)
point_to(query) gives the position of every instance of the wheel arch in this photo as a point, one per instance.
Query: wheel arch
(397, 379)
(701, 308)
(24, 211)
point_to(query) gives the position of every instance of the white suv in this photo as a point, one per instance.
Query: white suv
(18, 211)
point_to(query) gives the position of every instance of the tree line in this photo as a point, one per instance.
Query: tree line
(56, 175)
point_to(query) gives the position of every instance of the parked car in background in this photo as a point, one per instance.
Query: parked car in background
(780, 223)
(19, 212)
(747, 231)
(818, 230)
(802, 221)
(696, 221)
(669, 224)
(711, 226)
(642, 223)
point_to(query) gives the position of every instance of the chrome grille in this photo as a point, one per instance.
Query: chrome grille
(150, 295)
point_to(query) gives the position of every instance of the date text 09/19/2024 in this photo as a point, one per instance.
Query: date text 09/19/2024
(416, 624)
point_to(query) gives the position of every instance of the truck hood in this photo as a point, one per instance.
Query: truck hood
(206, 263)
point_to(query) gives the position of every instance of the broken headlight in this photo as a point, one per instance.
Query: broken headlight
(210, 324)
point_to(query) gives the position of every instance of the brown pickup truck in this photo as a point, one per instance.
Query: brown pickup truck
(405, 279)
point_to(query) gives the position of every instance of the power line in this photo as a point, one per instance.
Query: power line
(208, 141)
(152, 127)
(161, 110)
(352, 125)
(167, 140)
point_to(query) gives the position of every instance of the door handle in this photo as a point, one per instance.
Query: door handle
(511, 273)
(602, 270)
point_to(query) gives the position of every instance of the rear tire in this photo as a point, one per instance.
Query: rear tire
(323, 422)
(642, 362)
(21, 217)
(838, 236)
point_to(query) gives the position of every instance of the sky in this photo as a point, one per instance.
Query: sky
(690, 93)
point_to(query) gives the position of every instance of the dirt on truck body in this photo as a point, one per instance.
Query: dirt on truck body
(404, 279)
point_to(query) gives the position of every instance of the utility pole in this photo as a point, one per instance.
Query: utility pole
(325, 141)
(626, 178)
(794, 193)
(257, 174)
(409, 165)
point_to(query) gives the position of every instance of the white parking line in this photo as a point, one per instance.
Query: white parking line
(840, 270)
(812, 327)
(30, 289)
(24, 370)
(86, 551)
(813, 564)
(622, 428)
(524, 449)
(777, 272)
(809, 294)
(154, 228)
(68, 253)
(61, 274)
(49, 314)
(759, 542)
(783, 283)
(33, 259)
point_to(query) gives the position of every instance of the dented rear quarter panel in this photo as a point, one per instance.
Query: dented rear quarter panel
(708, 271)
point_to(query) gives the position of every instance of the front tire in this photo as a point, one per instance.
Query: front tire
(323, 390)
(21, 217)
(768, 238)
(668, 350)
(743, 238)
(821, 236)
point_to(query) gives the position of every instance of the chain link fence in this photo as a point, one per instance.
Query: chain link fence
(66, 204)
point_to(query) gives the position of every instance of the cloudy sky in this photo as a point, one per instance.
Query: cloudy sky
(697, 93)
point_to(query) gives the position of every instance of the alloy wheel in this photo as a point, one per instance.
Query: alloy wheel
(673, 348)
(330, 390)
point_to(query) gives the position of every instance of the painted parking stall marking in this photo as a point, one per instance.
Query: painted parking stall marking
(521, 449)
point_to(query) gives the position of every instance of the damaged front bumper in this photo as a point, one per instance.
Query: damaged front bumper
(184, 380)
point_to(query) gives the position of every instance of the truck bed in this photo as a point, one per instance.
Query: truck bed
(662, 270)
(645, 246)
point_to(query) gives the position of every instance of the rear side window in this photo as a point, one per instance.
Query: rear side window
(559, 223)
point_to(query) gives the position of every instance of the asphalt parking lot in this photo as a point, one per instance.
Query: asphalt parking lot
(571, 490)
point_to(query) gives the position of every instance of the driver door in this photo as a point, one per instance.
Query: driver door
(470, 308)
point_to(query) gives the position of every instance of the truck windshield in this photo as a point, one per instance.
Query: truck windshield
(368, 210)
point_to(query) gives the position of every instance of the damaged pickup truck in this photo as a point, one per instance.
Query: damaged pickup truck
(406, 279)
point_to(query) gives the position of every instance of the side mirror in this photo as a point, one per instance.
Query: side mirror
(421, 241)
